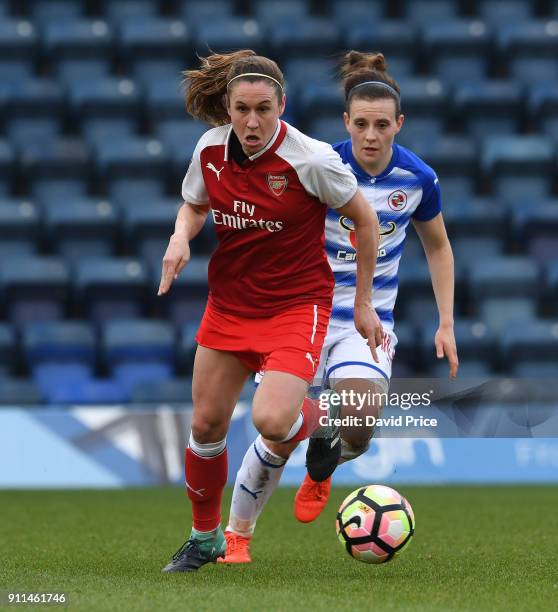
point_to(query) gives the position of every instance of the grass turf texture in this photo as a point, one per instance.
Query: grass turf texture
(475, 548)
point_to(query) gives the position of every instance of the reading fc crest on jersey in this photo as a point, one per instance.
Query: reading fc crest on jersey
(397, 200)
(277, 183)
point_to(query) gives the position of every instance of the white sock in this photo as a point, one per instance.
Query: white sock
(256, 480)
(210, 449)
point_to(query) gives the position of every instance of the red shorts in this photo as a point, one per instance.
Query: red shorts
(288, 342)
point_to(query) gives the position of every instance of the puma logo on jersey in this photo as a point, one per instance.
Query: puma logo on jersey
(309, 357)
(211, 167)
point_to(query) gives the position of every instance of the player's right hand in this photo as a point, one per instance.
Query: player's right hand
(176, 257)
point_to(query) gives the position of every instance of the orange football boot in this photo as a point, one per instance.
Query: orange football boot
(238, 549)
(311, 498)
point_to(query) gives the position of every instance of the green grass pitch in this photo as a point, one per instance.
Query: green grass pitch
(475, 548)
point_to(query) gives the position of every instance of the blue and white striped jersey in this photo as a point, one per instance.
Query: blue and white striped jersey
(407, 189)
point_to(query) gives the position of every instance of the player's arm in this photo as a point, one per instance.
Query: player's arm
(439, 255)
(367, 231)
(189, 221)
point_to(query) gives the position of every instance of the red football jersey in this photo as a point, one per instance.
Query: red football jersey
(269, 217)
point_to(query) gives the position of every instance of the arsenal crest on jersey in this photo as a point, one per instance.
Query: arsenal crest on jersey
(397, 200)
(277, 183)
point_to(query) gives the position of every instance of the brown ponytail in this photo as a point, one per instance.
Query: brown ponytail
(207, 86)
(357, 69)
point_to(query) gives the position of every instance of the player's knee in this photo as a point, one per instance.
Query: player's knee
(205, 430)
(352, 450)
(271, 427)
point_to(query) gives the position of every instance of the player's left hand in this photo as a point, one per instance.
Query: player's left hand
(368, 325)
(444, 340)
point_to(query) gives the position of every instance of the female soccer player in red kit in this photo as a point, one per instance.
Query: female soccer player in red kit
(267, 187)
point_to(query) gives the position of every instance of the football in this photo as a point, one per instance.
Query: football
(375, 523)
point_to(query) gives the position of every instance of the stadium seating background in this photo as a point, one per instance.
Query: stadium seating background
(94, 142)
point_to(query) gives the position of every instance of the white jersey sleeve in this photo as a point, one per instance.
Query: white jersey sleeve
(319, 168)
(193, 185)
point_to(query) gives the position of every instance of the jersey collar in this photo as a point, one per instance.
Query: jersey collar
(272, 145)
(360, 172)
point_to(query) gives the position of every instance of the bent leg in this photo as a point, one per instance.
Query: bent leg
(218, 381)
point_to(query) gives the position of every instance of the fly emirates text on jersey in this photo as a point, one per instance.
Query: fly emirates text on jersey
(239, 220)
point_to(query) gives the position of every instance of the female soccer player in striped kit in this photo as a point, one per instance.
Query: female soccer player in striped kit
(402, 189)
(268, 188)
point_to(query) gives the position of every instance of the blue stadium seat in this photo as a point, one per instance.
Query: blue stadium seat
(454, 159)
(551, 282)
(138, 341)
(100, 130)
(164, 99)
(8, 349)
(459, 49)
(488, 107)
(146, 72)
(476, 218)
(187, 345)
(466, 247)
(420, 129)
(535, 369)
(18, 49)
(122, 11)
(424, 97)
(81, 228)
(22, 131)
(129, 375)
(519, 166)
(199, 12)
(496, 12)
(536, 227)
(408, 338)
(186, 302)
(300, 71)
(223, 34)
(504, 289)
(34, 110)
(7, 161)
(270, 13)
(109, 289)
(87, 41)
(59, 342)
(46, 191)
(50, 376)
(55, 160)
(19, 392)
(89, 391)
(174, 391)
(147, 226)
(133, 158)
(160, 38)
(320, 99)
(543, 109)
(46, 11)
(19, 226)
(125, 190)
(34, 289)
(313, 36)
(347, 12)
(529, 48)
(533, 341)
(424, 12)
(396, 39)
(329, 129)
(415, 297)
(179, 137)
(112, 103)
